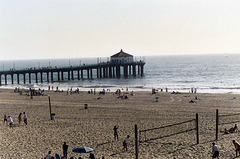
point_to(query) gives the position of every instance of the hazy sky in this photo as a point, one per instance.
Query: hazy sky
(41, 29)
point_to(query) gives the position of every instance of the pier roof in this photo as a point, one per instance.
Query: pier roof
(122, 54)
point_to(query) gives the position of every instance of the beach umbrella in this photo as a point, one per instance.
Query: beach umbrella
(82, 149)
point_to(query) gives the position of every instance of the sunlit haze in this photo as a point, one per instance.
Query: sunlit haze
(42, 29)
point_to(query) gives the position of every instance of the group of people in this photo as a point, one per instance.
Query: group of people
(215, 149)
(125, 141)
(231, 130)
(91, 156)
(21, 116)
(65, 154)
(193, 90)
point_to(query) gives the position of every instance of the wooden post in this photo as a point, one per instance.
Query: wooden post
(69, 75)
(62, 75)
(82, 73)
(72, 75)
(5, 78)
(136, 142)
(50, 109)
(29, 78)
(41, 77)
(217, 120)
(58, 74)
(51, 76)
(12, 78)
(24, 78)
(47, 76)
(88, 73)
(36, 75)
(142, 70)
(197, 128)
(17, 78)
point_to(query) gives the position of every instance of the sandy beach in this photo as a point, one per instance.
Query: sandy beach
(93, 127)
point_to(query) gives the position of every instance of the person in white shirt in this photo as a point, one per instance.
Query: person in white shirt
(25, 118)
(215, 151)
(10, 120)
(125, 143)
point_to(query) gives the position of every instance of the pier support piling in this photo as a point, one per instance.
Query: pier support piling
(36, 75)
(41, 77)
(29, 78)
(24, 78)
(12, 78)
(18, 78)
(5, 79)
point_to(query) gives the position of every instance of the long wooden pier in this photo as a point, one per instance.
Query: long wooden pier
(103, 70)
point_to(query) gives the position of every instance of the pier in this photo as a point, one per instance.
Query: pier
(121, 64)
(51, 74)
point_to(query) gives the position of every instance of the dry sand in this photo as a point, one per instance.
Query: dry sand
(93, 127)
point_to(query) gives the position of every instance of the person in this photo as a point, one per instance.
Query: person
(65, 149)
(226, 131)
(237, 147)
(20, 118)
(5, 119)
(91, 156)
(49, 156)
(10, 120)
(57, 156)
(115, 132)
(25, 118)
(215, 151)
(125, 143)
(233, 129)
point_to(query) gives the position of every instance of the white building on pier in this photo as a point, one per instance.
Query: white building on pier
(121, 57)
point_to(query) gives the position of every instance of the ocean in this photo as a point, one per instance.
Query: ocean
(208, 73)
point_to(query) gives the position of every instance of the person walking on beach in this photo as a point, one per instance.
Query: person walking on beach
(215, 151)
(115, 132)
(65, 150)
(237, 147)
(20, 118)
(125, 143)
(10, 120)
(5, 119)
(25, 118)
